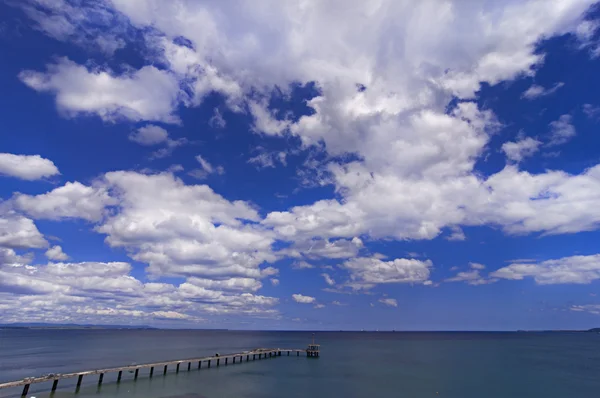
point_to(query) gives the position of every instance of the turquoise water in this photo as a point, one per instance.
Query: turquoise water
(456, 365)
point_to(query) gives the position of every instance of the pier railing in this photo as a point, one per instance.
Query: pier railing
(217, 360)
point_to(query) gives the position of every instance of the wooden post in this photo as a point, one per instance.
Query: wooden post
(297, 353)
(151, 371)
(189, 366)
(199, 364)
(218, 360)
(119, 376)
(100, 378)
(79, 380)
(177, 369)
(54, 384)
(165, 370)
(25, 390)
(253, 357)
(226, 360)
(247, 357)
(209, 363)
(288, 353)
(136, 373)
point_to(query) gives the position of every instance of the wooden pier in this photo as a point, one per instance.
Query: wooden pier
(216, 360)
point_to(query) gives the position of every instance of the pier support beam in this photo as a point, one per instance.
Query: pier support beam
(247, 357)
(165, 370)
(199, 364)
(119, 376)
(25, 390)
(189, 366)
(253, 357)
(79, 380)
(288, 353)
(100, 378)
(226, 361)
(218, 360)
(209, 363)
(151, 371)
(177, 369)
(137, 371)
(297, 353)
(54, 385)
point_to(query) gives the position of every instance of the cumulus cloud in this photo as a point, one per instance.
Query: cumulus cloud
(303, 299)
(536, 91)
(17, 231)
(302, 265)
(389, 302)
(573, 270)
(26, 167)
(561, 130)
(56, 253)
(456, 235)
(146, 94)
(274, 281)
(367, 272)
(519, 150)
(72, 200)
(149, 135)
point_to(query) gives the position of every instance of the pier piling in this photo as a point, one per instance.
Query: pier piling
(165, 370)
(189, 366)
(25, 390)
(199, 364)
(54, 385)
(119, 376)
(151, 371)
(100, 378)
(79, 380)
(177, 369)
(137, 371)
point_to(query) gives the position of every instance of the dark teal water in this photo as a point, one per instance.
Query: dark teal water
(453, 365)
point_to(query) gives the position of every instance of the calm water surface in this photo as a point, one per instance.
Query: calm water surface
(453, 365)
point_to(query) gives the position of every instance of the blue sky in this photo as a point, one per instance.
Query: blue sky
(290, 166)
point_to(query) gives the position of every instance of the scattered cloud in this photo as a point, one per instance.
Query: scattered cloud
(274, 281)
(456, 235)
(591, 111)
(269, 159)
(302, 265)
(146, 94)
(517, 151)
(536, 91)
(56, 253)
(367, 272)
(561, 130)
(472, 277)
(217, 121)
(566, 270)
(303, 299)
(389, 302)
(318, 306)
(205, 169)
(328, 279)
(149, 135)
(26, 167)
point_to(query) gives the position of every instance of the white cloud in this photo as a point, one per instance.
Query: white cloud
(274, 281)
(303, 299)
(319, 306)
(205, 169)
(268, 159)
(389, 302)
(328, 279)
(17, 231)
(146, 94)
(536, 91)
(456, 235)
(591, 111)
(591, 308)
(472, 277)
(368, 272)
(217, 121)
(561, 131)
(56, 253)
(477, 266)
(149, 135)
(338, 303)
(302, 265)
(573, 270)
(26, 167)
(519, 150)
(72, 200)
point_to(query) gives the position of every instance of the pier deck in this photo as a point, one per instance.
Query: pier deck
(216, 360)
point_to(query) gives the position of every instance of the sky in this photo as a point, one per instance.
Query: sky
(334, 165)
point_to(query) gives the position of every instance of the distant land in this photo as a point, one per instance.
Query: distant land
(40, 325)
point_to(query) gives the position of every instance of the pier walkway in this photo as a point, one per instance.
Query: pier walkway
(216, 360)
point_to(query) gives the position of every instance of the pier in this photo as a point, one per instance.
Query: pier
(196, 363)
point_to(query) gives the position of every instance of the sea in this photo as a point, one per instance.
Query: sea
(351, 364)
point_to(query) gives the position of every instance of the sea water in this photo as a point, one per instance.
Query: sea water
(352, 364)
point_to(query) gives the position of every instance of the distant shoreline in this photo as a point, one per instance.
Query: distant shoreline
(40, 326)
